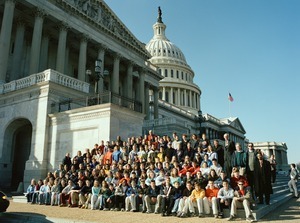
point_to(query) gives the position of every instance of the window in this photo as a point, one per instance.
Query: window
(177, 74)
(159, 71)
(172, 73)
(160, 95)
(181, 75)
(166, 72)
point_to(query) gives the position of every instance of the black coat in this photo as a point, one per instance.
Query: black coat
(262, 178)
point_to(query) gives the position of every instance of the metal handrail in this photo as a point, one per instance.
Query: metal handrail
(96, 99)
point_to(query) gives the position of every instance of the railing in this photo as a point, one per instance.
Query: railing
(211, 118)
(176, 108)
(106, 97)
(47, 75)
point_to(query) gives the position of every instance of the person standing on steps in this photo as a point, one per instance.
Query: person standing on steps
(293, 181)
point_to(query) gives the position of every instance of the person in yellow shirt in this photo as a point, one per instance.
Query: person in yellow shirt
(194, 200)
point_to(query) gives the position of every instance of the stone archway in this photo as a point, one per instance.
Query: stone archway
(18, 136)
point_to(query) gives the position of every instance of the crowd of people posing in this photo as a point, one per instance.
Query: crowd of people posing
(170, 176)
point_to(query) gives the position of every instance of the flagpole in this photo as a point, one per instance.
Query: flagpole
(229, 108)
(230, 99)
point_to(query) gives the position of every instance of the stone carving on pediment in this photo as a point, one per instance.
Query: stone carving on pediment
(99, 14)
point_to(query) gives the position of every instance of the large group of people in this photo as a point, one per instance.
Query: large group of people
(176, 175)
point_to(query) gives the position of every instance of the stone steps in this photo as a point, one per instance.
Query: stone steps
(281, 194)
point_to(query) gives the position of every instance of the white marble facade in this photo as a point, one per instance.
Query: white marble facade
(46, 47)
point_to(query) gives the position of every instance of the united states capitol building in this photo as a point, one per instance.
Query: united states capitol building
(72, 74)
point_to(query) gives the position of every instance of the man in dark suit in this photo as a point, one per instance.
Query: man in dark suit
(262, 179)
(229, 149)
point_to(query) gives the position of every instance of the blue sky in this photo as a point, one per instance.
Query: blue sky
(250, 48)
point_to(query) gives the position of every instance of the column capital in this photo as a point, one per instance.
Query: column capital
(117, 56)
(39, 12)
(63, 26)
(103, 47)
(20, 21)
(12, 1)
(84, 38)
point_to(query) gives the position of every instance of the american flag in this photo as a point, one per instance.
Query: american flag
(230, 98)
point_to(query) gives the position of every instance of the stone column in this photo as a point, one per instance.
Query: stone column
(190, 99)
(171, 96)
(147, 101)
(61, 48)
(129, 80)
(155, 93)
(115, 76)
(164, 94)
(36, 42)
(179, 97)
(82, 58)
(101, 53)
(18, 50)
(5, 37)
(142, 89)
(185, 98)
(195, 104)
(67, 63)
(44, 52)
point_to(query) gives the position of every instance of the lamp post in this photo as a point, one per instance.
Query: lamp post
(98, 74)
(94, 78)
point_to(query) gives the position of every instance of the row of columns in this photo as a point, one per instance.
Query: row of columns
(39, 56)
(182, 97)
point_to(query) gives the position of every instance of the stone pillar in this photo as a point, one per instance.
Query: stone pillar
(142, 89)
(185, 98)
(129, 80)
(147, 100)
(36, 42)
(195, 103)
(5, 37)
(190, 99)
(115, 76)
(67, 63)
(61, 48)
(179, 97)
(44, 52)
(82, 58)
(164, 94)
(155, 93)
(171, 96)
(18, 50)
(101, 53)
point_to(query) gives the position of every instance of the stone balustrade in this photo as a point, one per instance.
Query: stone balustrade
(159, 122)
(176, 108)
(47, 75)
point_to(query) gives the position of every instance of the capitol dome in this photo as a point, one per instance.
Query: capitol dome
(177, 86)
(160, 46)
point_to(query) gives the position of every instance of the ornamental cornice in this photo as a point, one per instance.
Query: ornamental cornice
(98, 14)
(65, 118)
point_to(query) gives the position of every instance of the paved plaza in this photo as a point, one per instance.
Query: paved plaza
(27, 213)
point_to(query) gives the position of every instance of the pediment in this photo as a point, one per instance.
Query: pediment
(234, 122)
